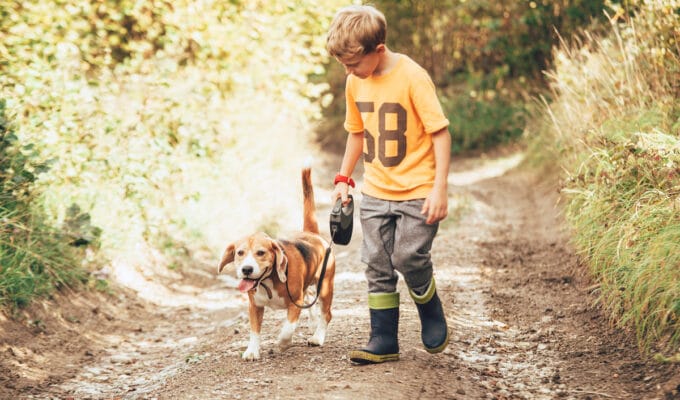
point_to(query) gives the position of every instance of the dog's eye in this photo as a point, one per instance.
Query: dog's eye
(240, 253)
(260, 253)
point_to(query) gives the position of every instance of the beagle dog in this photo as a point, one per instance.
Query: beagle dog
(280, 273)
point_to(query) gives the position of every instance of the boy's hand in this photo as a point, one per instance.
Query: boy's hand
(341, 191)
(436, 206)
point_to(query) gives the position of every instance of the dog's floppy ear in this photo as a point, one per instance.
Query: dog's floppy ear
(281, 261)
(227, 257)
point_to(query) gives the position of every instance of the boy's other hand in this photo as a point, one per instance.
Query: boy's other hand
(436, 206)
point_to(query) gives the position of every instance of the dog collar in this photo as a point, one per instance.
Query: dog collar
(269, 291)
(259, 281)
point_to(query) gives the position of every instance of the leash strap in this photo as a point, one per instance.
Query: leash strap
(320, 282)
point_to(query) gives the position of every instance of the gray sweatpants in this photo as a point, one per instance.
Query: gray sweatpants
(396, 238)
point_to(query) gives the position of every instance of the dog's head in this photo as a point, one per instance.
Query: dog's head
(255, 257)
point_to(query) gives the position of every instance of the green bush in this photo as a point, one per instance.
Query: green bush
(482, 123)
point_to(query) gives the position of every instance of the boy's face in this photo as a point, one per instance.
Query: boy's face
(362, 65)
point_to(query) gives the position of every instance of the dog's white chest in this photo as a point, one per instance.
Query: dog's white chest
(262, 297)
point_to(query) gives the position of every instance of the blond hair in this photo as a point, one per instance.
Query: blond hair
(356, 30)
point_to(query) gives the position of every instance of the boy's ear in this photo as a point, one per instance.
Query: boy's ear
(380, 48)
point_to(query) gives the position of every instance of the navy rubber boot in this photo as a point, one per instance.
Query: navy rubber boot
(434, 333)
(383, 345)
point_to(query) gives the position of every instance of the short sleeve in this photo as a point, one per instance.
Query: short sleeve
(426, 103)
(353, 121)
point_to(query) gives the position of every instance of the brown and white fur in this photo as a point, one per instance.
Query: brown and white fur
(265, 265)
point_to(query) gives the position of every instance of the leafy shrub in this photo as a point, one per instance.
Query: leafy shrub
(482, 121)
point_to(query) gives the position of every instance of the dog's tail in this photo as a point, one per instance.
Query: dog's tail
(310, 223)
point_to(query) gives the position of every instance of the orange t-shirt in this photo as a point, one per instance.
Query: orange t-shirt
(397, 113)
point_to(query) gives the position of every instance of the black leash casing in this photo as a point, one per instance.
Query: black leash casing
(342, 221)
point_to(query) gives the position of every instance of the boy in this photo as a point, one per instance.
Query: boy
(395, 120)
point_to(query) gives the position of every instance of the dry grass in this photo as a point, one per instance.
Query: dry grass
(612, 124)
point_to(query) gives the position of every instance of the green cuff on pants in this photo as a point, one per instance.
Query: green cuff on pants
(427, 296)
(383, 301)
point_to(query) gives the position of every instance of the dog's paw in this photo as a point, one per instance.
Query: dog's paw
(251, 354)
(319, 335)
(316, 340)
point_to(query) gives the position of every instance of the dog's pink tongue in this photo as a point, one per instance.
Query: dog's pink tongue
(246, 284)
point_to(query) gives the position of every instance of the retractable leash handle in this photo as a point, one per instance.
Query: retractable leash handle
(342, 221)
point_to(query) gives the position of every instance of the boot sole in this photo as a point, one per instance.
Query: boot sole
(363, 357)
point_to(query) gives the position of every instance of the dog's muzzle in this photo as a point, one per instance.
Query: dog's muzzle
(249, 283)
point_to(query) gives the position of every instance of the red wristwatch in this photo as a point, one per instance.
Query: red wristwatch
(343, 178)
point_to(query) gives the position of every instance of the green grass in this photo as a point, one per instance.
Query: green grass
(35, 260)
(626, 216)
(611, 130)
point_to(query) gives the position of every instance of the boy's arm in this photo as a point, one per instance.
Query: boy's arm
(437, 203)
(353, 150)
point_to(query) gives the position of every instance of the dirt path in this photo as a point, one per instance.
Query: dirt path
(523, 324)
